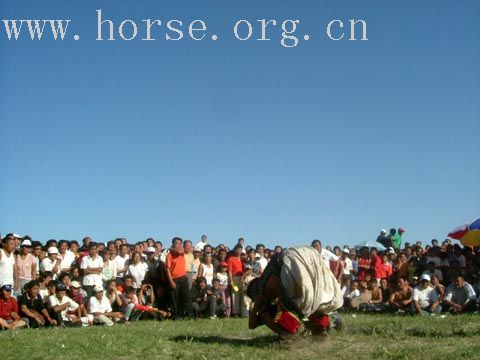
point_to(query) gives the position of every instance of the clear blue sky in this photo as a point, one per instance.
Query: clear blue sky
(328, 140)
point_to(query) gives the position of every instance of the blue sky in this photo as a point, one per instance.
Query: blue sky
(328, 140)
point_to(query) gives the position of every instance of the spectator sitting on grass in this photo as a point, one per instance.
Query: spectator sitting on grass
(460, 296)
(101, 309)
(401, 299)
(9, 318)
(78, 295)
(353, 294)
(424, 296)
(376, 302)
(62, 307)
(44, 280)
(129, 301)
(32, 307)
(203, 302)
(114, 295)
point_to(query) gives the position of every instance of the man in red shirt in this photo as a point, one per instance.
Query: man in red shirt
(364, 264)
(376, 265)
(9, 318)
(236, 268)
(177, 278)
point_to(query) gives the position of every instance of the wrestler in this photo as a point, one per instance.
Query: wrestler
(295, 286)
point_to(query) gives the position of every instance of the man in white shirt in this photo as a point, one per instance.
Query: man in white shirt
(62, 307)
(67, 257)
(460, 296)
(122, 261)
(92, 267)
(260, 250)
(7, 261)
(326, 254)
(101, 309)
(202, 243)
(51, 262)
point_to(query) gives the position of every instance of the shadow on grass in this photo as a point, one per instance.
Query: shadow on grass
(260, 341)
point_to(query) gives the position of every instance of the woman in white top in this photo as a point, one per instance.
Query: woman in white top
(137, 269)
(206, 270)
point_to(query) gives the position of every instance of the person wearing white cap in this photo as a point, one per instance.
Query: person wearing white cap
(382, 238)
(101, 309)
(51, 262)
(424, 296)
(25, 265)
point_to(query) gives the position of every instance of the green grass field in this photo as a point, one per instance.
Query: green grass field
(364, 337)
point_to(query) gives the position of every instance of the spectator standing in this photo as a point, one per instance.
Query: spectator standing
(235, 272)
(206, 270)
(25, 266)
(189, 262)
(260, 250)
(177, 277)
(67, 257)
(92, 267)
(397, 238)
(7, 261)
(137, 269)
(122, 261)
(383, 239)
(109, 266)
(201, 244)
(364, 264)
(51, 262)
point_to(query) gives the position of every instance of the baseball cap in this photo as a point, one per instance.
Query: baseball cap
(425, 277)
(150, 250)
(383, 231)
(391, 250)
(26, 243)
(75, 284)
(17, 236)
(7, 287)
(97, 288)
(401, 230)
(52, 250)
(346, 251)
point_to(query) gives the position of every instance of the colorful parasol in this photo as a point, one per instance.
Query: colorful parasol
(468, 234)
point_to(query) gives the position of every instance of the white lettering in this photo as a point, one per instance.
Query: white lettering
(329, 33)
(250, 30)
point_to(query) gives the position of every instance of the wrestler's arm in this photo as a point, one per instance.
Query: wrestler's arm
(253, 318)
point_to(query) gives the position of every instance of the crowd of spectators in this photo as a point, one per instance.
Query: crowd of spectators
(64, 283)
